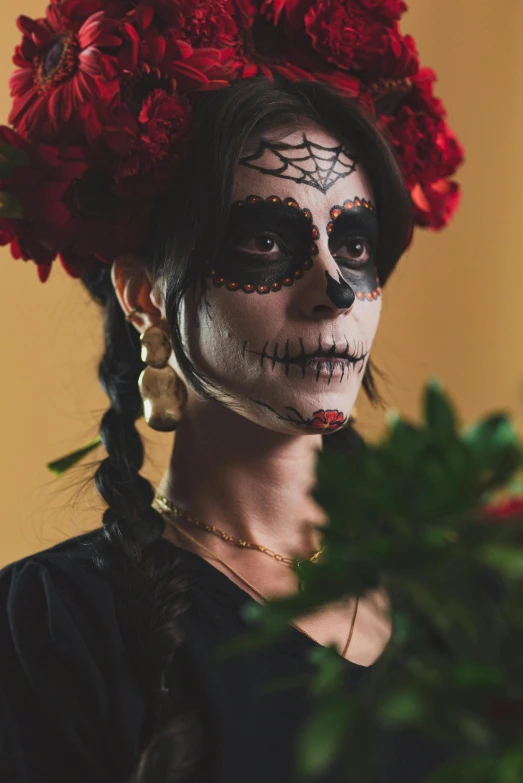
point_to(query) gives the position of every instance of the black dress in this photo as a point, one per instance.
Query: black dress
(70, 709)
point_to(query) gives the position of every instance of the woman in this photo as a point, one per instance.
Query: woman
(253, 301)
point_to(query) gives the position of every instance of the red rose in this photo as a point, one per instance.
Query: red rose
(65, 60)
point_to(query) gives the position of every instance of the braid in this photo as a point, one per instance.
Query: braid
(117, 479)
(149, 587)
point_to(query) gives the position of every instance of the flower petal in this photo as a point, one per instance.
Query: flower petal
(90, 30)
(91, 62)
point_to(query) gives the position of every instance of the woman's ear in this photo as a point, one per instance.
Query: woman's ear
(135, 291)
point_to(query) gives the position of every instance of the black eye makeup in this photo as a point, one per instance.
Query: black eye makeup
(353, 239)
(269, 244)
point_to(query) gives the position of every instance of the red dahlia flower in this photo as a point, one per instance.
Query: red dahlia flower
(62, 66)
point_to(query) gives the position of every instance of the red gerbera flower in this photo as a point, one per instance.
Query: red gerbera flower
(62, 66)
(69, 210)
(327, 420)
(39, 187)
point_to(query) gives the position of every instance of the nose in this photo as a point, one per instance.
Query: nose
(324, 293)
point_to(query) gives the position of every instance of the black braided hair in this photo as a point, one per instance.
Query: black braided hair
(151, 590)
(149, 587)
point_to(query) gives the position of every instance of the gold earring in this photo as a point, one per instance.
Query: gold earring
(163, 393)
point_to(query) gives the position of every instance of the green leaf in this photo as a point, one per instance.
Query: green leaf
(477, 674)
(10, 206)
(11, 158)
(403, 706)
(510, 769)
(60, 465)
(328, 677)
(323, 737)
(491, 436)
(438, 412)
(506, 559)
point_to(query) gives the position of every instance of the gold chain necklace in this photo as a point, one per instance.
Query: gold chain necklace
(180, 514)
(169, 515)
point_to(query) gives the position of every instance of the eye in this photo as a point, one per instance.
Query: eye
(356, 249)
(264, 243)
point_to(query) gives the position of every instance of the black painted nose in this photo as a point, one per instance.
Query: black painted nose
(339, 292)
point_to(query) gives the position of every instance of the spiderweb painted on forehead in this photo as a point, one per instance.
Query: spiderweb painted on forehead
(319, 167)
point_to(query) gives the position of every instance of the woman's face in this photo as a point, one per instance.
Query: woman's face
(285, 320)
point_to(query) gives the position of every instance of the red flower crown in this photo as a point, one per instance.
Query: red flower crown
(101, 110)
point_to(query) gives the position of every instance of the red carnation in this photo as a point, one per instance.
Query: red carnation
(150, 145)
(427, 150)
(391, 8)
(208, 22)
(62, 66)
(353, 36)
(295, 10)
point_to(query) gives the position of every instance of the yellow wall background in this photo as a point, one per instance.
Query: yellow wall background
(452, 309)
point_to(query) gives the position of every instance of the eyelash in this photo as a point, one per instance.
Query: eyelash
(358, 262)
(271, 235)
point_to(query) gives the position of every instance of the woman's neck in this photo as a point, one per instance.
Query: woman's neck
(246, 480)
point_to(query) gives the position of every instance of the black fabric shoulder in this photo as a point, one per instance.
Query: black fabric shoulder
(64, 676)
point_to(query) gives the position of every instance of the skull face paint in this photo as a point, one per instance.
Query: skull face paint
(353, 236)
(255, 259)
(287, 326)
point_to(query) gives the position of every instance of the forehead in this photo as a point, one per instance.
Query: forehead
(310, 165)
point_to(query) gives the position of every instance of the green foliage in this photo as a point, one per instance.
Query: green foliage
(60, 465)
(10, 206)
(407, 513)
(11, 158)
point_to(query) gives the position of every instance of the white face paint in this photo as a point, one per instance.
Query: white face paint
(286, 322)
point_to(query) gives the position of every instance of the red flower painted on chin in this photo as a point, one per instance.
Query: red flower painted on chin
(62, 67)
(327, 420)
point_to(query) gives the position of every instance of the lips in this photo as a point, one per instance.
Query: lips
(303, 358)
